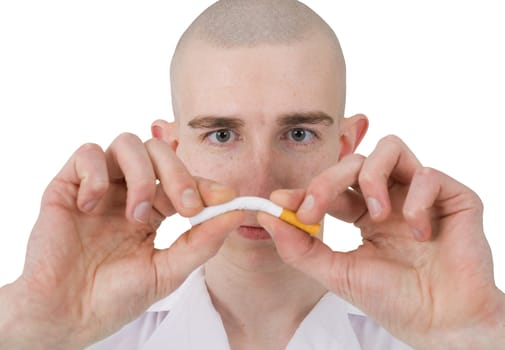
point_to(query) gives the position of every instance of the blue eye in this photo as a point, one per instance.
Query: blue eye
(301, 135)
(222, 136)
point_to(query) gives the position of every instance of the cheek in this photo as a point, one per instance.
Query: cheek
(243, 169)
(209, 166)
(301, 174)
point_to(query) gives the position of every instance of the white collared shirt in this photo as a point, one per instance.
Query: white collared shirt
(187, 320)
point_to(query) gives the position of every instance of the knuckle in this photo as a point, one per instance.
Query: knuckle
(391, 139)
(89, 148)
(96, 188)
(428, 172)
(478, 203)
(126, 137)
(157, 148)
(366, 179)
(355, 159)
(151, 143)
(475, 201)
(144, 185)
(412, 213)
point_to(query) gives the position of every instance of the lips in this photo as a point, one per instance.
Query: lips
(253, 233)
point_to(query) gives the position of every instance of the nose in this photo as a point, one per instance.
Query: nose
(263, 171)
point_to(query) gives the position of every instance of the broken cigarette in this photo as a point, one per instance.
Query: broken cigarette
(257, 204)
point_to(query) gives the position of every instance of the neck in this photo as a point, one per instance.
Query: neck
(261, 300)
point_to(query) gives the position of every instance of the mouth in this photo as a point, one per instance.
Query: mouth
(255, 233)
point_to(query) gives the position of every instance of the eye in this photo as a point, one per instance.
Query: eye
(221, 136)
(301, 135)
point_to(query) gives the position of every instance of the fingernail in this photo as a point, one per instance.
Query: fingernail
(157, 224)
(374, 206)
(308, 203)
(418, 235)
(156, 131)
(90, 205)
(142, 212)
(268, 229)
(216, 186)
(190, 199)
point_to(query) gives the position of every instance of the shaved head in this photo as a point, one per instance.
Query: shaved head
(238, 23)
(230, 24)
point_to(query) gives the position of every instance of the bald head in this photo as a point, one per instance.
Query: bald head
(230, 24)
(238, 23)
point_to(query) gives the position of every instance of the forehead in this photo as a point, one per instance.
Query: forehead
(266, 79)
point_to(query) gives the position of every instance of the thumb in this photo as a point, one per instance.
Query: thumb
(199, 244)
(359, 276)
(192, 249)
(304, 252)
(343, 273)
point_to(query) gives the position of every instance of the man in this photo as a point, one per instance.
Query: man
(258, 95)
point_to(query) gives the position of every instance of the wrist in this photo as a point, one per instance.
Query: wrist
(486, 332)
(22, 326)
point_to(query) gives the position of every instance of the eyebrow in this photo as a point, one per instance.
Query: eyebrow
(305, 118)
(292, 119)
(210, 122)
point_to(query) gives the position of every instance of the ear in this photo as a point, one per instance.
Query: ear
(352, 131)
(165, 131)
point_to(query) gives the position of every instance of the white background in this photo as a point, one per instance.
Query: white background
(72, 72)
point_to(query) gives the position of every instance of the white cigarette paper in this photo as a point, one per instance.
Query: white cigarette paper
(256, 204)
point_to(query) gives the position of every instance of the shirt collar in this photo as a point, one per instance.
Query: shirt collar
(192, 316)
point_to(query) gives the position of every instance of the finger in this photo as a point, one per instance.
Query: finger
(350, 275)
(290, 199)
(178, 184)
(192, 249)
(162, 203)
(85, 169)
(211, 192)
(390, 162)
(433, 193)
(302, 251)
(127, 159)
(330, 192)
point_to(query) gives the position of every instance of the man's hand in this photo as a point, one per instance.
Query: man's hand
(424, 270)
(91, 265)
